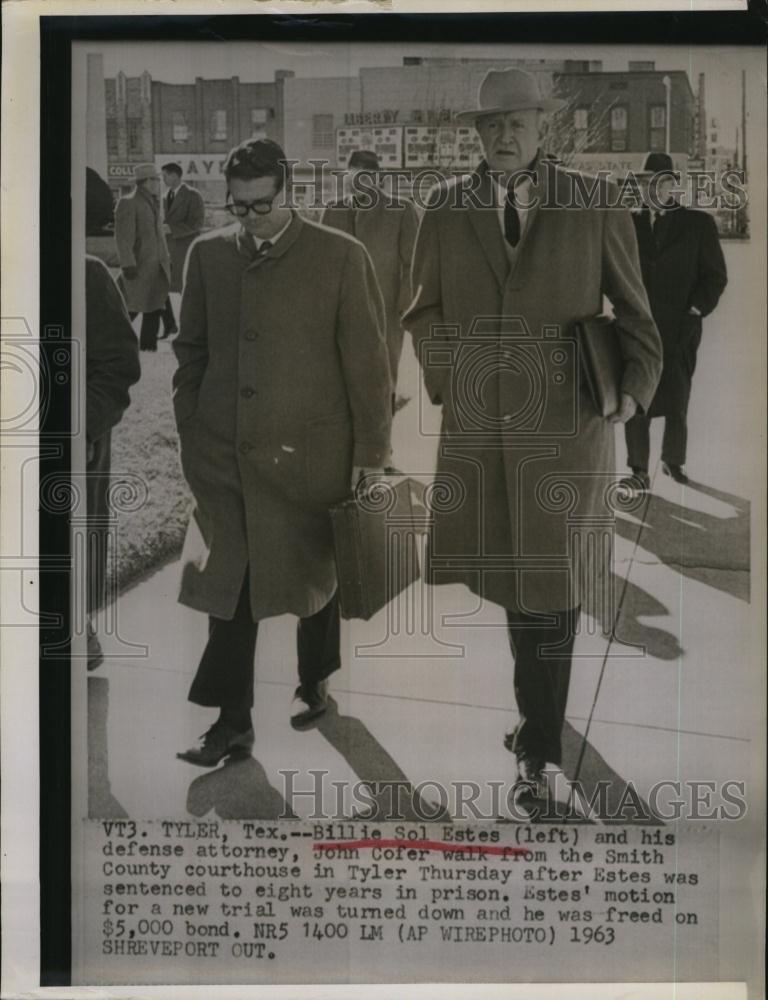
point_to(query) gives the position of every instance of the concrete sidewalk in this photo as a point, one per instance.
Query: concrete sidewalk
(670, 700)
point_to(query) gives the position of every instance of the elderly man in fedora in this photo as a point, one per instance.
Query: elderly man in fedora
(505, 263)
(685, 275)
(282, 402)
(386, 226)
(145, 264)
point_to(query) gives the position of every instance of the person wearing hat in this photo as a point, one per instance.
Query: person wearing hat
(141, 249)
(184, 213)
(282, 403)
(507, 260)
(386, 226)
(685, 275)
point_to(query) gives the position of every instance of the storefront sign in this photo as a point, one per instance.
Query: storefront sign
(447, 148)
(196, 166)
(120, 171)
(386, 117)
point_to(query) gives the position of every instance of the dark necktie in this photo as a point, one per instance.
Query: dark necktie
(511, 218)
(171, 195)
(254, 252)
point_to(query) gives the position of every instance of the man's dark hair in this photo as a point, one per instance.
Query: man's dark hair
(257, 158)
(364, 159)
(173, 168)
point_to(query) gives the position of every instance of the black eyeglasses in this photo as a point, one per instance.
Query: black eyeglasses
(262, 206)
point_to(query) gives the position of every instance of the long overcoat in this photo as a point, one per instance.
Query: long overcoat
(282, 385)
(186, 217)
(141, 243)
(526, 466)
(111, 368)
(387, 229)
(683, 266)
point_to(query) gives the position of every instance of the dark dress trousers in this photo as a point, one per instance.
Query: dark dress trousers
(111, 368)
(683, 266)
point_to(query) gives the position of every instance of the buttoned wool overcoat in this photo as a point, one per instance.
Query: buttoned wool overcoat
(186, 217)
(141, 244)
(683, 266)
(522, 505)
(282, 385)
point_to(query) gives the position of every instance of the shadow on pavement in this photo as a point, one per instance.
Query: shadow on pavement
(238, 790)
(629, 630)
(393, 795)
(613, 799)
(102, 804)
(712, 550)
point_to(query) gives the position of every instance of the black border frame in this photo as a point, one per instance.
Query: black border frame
(748, 28)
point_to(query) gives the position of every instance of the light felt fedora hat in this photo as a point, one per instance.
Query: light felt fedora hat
(505, 90)
(144, 171)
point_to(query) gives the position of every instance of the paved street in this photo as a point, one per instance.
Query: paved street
(673, 699)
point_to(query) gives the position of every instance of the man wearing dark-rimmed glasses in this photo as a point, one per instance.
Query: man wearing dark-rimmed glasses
(282, 401)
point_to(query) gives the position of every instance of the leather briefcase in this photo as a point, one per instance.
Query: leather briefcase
(376, 536)
(602, 365)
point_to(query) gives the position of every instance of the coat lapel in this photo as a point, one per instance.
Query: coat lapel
(669, 228)
(485, 222)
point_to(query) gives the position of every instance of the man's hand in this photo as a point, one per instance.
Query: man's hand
(627, 409)
(166, 229)
(130, 272)
(365, 472)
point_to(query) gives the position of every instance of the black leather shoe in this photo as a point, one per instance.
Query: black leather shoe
(219, 742)
(676, 471)
(530, 783)
(315, 698)
(638, 482)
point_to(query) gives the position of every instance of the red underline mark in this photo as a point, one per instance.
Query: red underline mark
(423, 845)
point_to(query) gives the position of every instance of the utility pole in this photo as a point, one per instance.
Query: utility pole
(744, 123)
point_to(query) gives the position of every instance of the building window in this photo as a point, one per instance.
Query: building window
(113, 149)
(219, 126)
(580, 127)
(259, 119)
(322, 130)
(658, 130)
(618, 129)
(133, 126)
(180, 127)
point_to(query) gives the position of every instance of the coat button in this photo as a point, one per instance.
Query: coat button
(246, 392)
(251, 335)
(245, 447)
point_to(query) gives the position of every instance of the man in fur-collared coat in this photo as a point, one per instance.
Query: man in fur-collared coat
(526, 463)
(282, 402)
